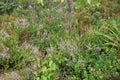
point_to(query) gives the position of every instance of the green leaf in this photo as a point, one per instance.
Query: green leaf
(44, 77)
(41, 2)
(44, 69)
(88, 1)
(85, 74)
(39, 65)
(50, 63)
(35, 73)
(37, 78)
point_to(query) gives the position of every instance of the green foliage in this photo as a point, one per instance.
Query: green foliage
(6, 6)
(16, 56)
(46, 73)
(41, 2)
(48, 43)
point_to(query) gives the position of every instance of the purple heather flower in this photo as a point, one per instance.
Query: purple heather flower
(15, 75)
(88, 46)
(4, 55)
(4, 35)
(98, 49)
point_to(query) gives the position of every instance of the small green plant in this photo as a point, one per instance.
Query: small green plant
(47, 73)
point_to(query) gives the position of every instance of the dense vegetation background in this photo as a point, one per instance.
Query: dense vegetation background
(60, 40)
